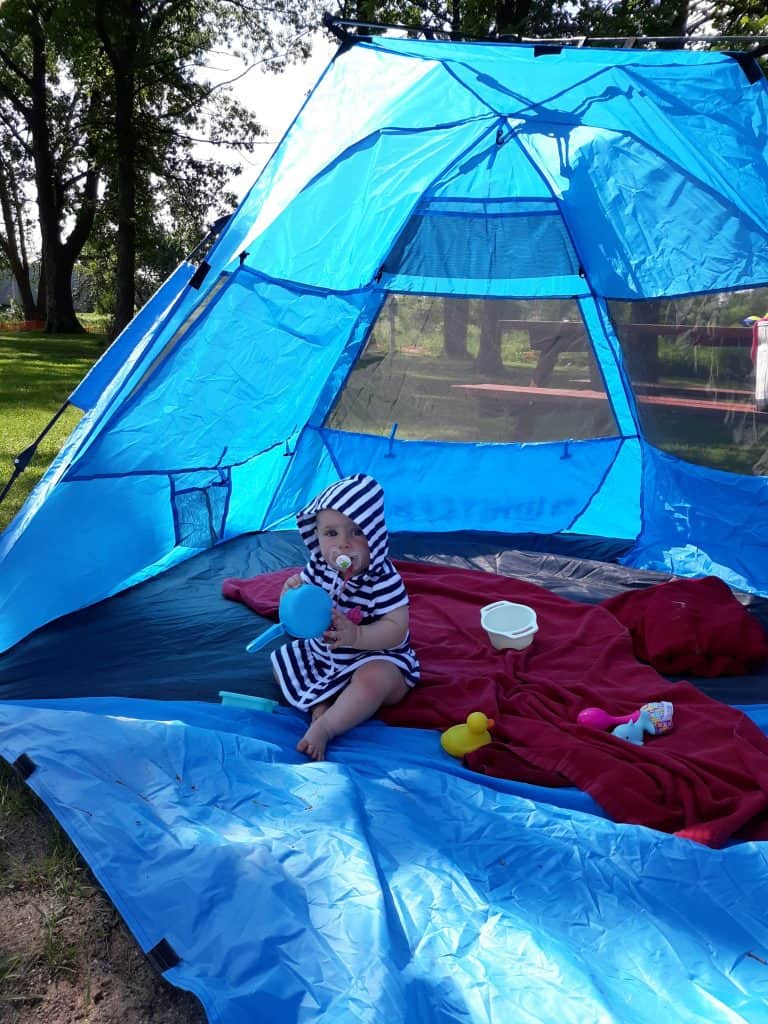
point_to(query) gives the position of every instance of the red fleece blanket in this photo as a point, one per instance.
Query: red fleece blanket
(706, 780)
(691, 627)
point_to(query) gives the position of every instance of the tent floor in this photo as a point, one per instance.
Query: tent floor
(175, 637)
(271, 884)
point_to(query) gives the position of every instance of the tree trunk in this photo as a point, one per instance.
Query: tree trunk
(60, 312)
(511, 16)
(676, 29)
(126, 196)
(641, 349)
(58, 258)
(42, 304)
(489, 354)
(455, 323)
(456, 21)
(23, 283)
(118, 26)
(391, 309)
(12, 242)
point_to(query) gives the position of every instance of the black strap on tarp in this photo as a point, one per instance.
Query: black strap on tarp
(24, 766)
(163, 956)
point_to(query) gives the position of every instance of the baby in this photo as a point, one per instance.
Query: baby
(364, 660)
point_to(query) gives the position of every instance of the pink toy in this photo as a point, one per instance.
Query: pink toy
(659, 717)
(599, 719)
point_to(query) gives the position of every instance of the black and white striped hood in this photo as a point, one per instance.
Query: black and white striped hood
(359, 497)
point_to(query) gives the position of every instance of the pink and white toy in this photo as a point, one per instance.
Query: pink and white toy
(653, 718)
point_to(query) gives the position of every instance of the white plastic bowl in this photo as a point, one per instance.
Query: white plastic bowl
(509, 625)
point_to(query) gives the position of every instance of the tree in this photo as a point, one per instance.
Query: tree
(173, 214)
(469, 18)
(746, 18)
(15, 172)
(159, 106)
(628, 19)
(58, 119)
(112, 103)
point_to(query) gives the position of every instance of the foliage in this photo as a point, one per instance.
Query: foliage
(102, 104)
(535, 19)
(16, 224)
(748, 17)
(472, 18)
(54, 122)
(109, 100)
(667, 21)
(64, 948)
(173, 215)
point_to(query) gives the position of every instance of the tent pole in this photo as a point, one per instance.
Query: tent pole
(23, 459)
(340, 26)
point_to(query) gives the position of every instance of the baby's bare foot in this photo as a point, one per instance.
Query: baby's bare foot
(315, 740)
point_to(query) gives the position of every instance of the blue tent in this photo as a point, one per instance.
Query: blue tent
(440, 279)
(636, 175)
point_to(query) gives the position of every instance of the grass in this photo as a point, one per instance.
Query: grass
(63, 947)
(41, 870)
(58, 867)
(38, 372)
(64, 952)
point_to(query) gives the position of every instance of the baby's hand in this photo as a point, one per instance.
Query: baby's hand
(342, 631)
(291, 583)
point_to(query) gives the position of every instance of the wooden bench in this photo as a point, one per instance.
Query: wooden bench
(543, 332)
(714, 391)
(549, 339)
(589, 394)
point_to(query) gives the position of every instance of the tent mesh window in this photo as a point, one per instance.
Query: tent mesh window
(489, 240)
(693, 372)
(200, 501)
(476, 370)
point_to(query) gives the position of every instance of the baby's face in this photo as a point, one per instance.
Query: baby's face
(338, 535)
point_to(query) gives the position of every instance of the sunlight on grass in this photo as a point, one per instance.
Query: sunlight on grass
(38, 372)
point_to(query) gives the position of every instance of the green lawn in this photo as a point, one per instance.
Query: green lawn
(38, 372)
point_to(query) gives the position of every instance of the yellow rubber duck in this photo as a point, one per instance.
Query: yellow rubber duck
(461, 739)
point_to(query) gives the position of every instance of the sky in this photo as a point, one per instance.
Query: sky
(274, 98)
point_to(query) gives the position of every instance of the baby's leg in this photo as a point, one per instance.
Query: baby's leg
(321, 708)
(373, 685)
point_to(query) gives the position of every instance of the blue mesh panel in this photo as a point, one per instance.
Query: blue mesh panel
(473, 245)
(199, 512)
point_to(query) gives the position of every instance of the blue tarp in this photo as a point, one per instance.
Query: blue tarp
(388, 884)
(281, 883)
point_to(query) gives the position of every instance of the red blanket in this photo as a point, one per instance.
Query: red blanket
(706, 780)
(691, 627)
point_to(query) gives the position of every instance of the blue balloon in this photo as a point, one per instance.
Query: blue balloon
(305, 612)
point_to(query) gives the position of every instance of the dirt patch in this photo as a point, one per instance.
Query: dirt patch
(65, 955)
